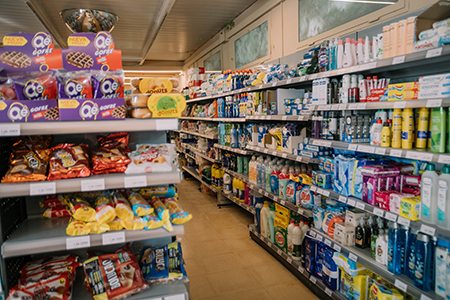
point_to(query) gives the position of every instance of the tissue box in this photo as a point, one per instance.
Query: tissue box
(410, 208)
(344, 234)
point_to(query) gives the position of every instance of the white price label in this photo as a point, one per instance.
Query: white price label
(354, 69)
(326, 193)
(78, 242)
(300, 211)
(260, 86)
(351, 202)
(302, 78)
(399, 104)
(434, 103)
(361, 105)
(342, 106)
(322, 107)
(313, 279)
(378, 212)
(282, 202)
(269, 243)
(380, 150)
(372, 65)
(427, 229)
(279, 252)
(360, 205)
(289, 260)
(113, 238)
(266, 194)
(337, 247)
(284, 155)
(319, 191)
(403, 221)
(328, 292)
(335, 107)
(400, 285)
(319, 238)
(45, 188)
(313, 76)
(312, 233)
(313, 188)
(92, 185)
(298, 158)
(284, 118)
(342, 199)
(274, 153)
(342, 71)
(266, 150)
(174, 297)
(391, 217)
(444, 159)
(419, 155)
(423, 297)
(352, 147)
(396, 153)
(353, 257)
(353, 106)
(10, 130)
(398, 60)
(434, 52)
(275, 83)
(301, 270)
(135, 181)
(326, 74)
(328, 242)
(367, 149)
(289, 81)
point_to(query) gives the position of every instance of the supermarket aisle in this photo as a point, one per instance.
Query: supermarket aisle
(222, 261)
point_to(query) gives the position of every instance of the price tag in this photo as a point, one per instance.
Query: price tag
(313, 279)
(380, 150)
(396, 153)
(391, 217)
(269, 243)
(274, 152)
(342, 106)
(284, 155)
(282, 202)
(337, 247)
(399, 104)
(328, 292)
(378, 212)
(92, 185)
(313, 188)
(266, 194)
(427, 229)
(403, 221)
(367, 149)
(78, 242)
(319, 191)
(326, 74)
(351, 202)
(302, 78)
(326, 193)
(342, 199)
(372, 65)
(275, 83)
(312, 77)
(289, 260)
(335, 106)
(284, 118)
(434, 52)
(352, 147)
(328, 242)
(10, 130)
(353, 257)
(400, 285)
(423, 297)
(300, 211)
(322, 107)
(312, 233)
(289, 81)
(319, 238)
(444, 159)
(134, 181)
(342, 71)
(279, 252)
(298, 158)
(361, 105)
(260, 87)
(45, 188)
(300, 269)
(266, 150)
(113, 238)
(353, 106)
(434, 103)
(354, 69)
(398, 60)
(360, 205)
(419, 155)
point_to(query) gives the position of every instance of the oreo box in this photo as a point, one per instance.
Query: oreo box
(91, 109)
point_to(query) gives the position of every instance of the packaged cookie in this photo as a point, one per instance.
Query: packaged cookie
(114, 276)
(48, 262)
(45, 273)
(58, 287)
(104, 209)
(27, 165)
(76, 228)
(177, 214)
(68, 161)
(151, 158)
(80, 209)
(35, 86)
(56, 212)
(107, 85)
(74, 85)
(137, 223)
(122, 207)
(139, 205)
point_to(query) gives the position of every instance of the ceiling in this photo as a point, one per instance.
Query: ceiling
(188, 25)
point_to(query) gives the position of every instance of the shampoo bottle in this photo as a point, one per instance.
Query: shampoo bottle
(381, 248)
(429, 194)
(424, 263)
(340, 54)
(443, 208)
(393, 255)
(438, 129)
(348, 54)
(411, 255)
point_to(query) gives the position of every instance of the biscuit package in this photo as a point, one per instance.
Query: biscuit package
(68, 161)
(139, 205)
(115, 225)
(155, 85)
(74, 85)
(35, 86)
(177, 214)
(80, 209)
(104, 209)
(27, 165)
(152, 158)
(107, 85)
(114, 276)
(162, 263)
(122, 207)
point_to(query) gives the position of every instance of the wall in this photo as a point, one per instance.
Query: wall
(284, 47)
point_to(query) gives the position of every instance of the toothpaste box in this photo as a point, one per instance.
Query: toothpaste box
(401, 87)
(403, 95)
(434, 86)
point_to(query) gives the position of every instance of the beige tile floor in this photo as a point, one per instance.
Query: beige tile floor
(222, 261)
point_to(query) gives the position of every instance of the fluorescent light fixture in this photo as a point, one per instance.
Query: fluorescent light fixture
(364, 1)
(137, 71)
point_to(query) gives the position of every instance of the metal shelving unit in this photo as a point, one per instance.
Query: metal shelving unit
(197, 134)
(248, 208)
(251, 118)
(443, 102)
(298, 158)
(235, 150)
(195, 174)
(199, 153)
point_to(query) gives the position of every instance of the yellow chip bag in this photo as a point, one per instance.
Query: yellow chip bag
(76, 228)
(80, 209)
(98, 228)
(122, 207)
(161, 210)
(177, 214)
(135, 224)
(140, 206)
(104, 209)
(152, 221)
(115, 225)
(168, 226)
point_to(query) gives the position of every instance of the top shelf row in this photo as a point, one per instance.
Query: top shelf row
(436, 55)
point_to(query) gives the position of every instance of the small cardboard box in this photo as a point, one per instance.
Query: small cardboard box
(344, 234)
(353, 216)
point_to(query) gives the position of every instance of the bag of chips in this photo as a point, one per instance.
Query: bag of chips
(112, 156)
(80, 209)
(177, 214)
(115, 225)
(56, 212)
(97, 228)
(122, 207)
(36, 86)
(104, 209)
(50, 201)
(152, 221)
(74, 85)
(139, 205)
(68, 161)
(27, 165)
(136, 224)
(107, 85)
(158, 191)
(161, 211)
(76, 228)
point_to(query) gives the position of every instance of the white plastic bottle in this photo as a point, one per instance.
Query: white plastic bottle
(381, 245)
(348, 55)
(354, 57)
(252, 170)
(265, 212)
(429, 194)
(269, 169)
(360, 51)
(297, 243)
(366, 50)
(443, 207)
(290, 245)
(340, 54)
(376, 133)
(227, 189)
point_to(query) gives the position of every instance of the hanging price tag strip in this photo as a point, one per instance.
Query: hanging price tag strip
(353, 257)
(391, 217)
(427, 229)
(400, 285)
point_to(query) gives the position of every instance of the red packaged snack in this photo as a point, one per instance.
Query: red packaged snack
(37, 142)
(45, 274)
(57, 287)
(80, 209)
(56, 212)
(36, 87)
(27, 165)
(74, 85)
(68, 161)
(50, 201)
(7, 92)
(114, 276)
(48, 262)
(112, 156)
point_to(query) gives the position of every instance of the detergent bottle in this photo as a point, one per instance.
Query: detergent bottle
(252, 170)
(269, 168)
(271, 224)
(274, 179)
(265, 212)
(241, 188)
(290, 245)
(227, 189)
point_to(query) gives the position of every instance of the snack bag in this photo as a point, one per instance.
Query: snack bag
(107, 85)
(161, 211)
(115, 225)
(76, 228)
(56, 212)
(96, 227)
(48, 262)
(80, 209)
(35, 86)
(152, 221)
(140, 206)
(56, 287)
(27, 165)
(74, 85)
(104, 208)
(114, 276)
(158, 191)
(177, 214)
(68, 161)
(136, 224)
(7, 92)
(151, 158)
(45, 273)
(122, 207)
(51, 201)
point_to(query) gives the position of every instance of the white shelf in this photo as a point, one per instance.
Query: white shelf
(248, 208)
(195, 174)
(111, 181)
(298, 158)
(235, 150)
(40, 235)
(443, 102)
(251, 118)
(72, 127)
(198, 134)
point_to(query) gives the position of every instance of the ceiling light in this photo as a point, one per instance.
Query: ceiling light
(364, 1)
(88, 20)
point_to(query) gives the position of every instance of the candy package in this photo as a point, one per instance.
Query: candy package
(35, 86)
(139, 205)
(48, 262)
(56, 212)
(152, 158)
(76, 228)
(107, 85)
(177, 214)
(80, 209)
(74, 85)
(58, 287)
(122, 207)
(112, 156)
(68, 161)
(104, 208)
(27, 165)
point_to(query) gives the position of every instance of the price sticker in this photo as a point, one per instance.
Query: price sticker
(10, 130)
(399, 104)
(266, 150)
(419, 155)
(45, 188)
(335, 107)
(312, 233)
(372, 65)
(284, 155)
(427, 229)
(342, 199)
(403, 221)
(360, 205)
(351, 202)
(260, 87)
(302, 78)
(434, 52)
(319, 238)
(269, 243)
(300, 211)
(353, 257)
(135, 181)
(322, 107)
(274, 153)
(300, 269)
(380, 150)
(434, 103)
(337, 247)
(328, 242)
(378, 212)
(396, 153)
(361, 105)
(92, 185)
(342, 106)
(400, 285)
(352, 147)
(353, 106)
(113, 238)
(398, 60)
(313, 279)
(312, 77)
(289, 260)
(298, 158)
(325, 193)
(367, 149)
(266, 194)
(328, 292)
(275, 83)
(279, 252)
(444, 159)
(354, 69)
(326, 74)
(289, 81)
(282, 202)
(423, 297)
(319, 191)
(391, 217)
(284, 118)
(313, 188)
(78, 242)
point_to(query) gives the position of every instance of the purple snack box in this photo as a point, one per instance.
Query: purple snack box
(91, 109)
(29, 111)
(380, 171)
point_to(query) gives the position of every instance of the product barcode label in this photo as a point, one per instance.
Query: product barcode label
(434, 103)
(403, 221)
(319, 238)
(398, 60)
(284, 118)
(135, 181)
(289, 81)
(279, 252)
(434, 52)
(328, 292)
(328, 242)
(380, 150)
(353, 257)
(274, 153)
(326, 193)
(396, 153)
(313, 279)
(352, 147)
(313, 188)
(391, 217)
(400, 285)
(360, 205)
(92, 185)
(423, 297)
(266, 150)
(351, 202)
(10, 130)
(399, 104)
(78, 242)
(378, 212)
(298, 158)
(46, 188)
(319, 191)
(312, 233)
(260, 86)
(275, 83)
(444, 159)
(284, 155)
(427, 229)
(337, 247)
(266, 194)
(113, 238)
(342, 199)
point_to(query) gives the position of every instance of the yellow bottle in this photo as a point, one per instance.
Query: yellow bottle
(407, 128)
(397, 129)
(241, 188)
(386, 135)
(235, 190)
(422, 128)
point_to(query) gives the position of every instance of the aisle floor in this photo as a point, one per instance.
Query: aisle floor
(222, 261)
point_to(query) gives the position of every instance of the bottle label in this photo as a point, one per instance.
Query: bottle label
(426, 196)
(441, 200)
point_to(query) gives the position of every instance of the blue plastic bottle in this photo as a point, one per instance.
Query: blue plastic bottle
(404, 236)
(394, 253)
(258, 207)
(221, 107)
(408, 267)
(424, 263)
(234, 138)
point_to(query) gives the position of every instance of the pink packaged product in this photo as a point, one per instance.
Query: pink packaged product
(382, 199)
(380, 171)
(394, 201)
(370, 186)
(405, 169)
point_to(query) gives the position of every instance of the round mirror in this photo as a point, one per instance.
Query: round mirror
(88, 20)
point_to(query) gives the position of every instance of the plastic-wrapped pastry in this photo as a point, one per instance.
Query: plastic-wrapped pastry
(140, 113)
